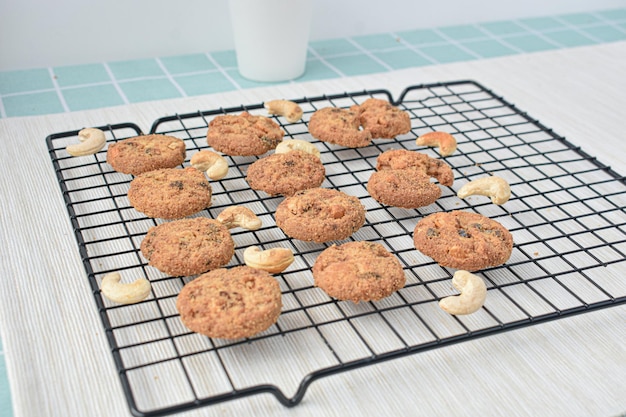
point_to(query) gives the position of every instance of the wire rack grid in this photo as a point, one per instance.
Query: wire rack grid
(567, 216)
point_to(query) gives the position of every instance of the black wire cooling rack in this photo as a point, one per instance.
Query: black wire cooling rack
(567, 216)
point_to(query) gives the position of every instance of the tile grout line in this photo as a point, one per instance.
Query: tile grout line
(169, 77)
(369, 54)
(112, 81)
(57, 89)
(578, 30)
(116, 85)
(604, 22)
(223, 71)
(539, 34)
(143, 78)
(323, 61)
(496, 38)
(42, 90)
(416, 50)
(456, 43)
(391, 49)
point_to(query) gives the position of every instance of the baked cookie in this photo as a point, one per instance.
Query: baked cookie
(320, 215)
(339, 126)
(405, 188)
(188, 246)
(243, 134)
(358, 271)
(382, 119)
(405, 159)
(146, 153)
(463, 240)
(230, 303)
(170, 193)
(286, 173)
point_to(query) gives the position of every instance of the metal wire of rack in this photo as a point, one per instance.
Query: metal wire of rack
(567, 215)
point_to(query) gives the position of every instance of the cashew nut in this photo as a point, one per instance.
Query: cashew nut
(495, 187)
(133, 292)
(239, 216)
(215, 165)
(290, 110)
(273, 260)
(91, 140)
(297, 145)
(445, 141)
(473, 294)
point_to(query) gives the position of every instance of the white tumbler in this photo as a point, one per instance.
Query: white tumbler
(271, 37)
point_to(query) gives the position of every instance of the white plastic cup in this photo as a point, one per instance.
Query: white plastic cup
(271, 37)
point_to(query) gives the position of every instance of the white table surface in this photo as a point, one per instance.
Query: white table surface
(58, 358)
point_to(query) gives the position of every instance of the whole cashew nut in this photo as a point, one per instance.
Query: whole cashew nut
(92, 140)
(272, 260)
(297, 145)
(473, 294)
(118, 292)
(239, 216)
(495, 187)
(290, 110)
(215, 165)
(445, 141)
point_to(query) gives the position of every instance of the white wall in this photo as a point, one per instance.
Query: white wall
(36, 33)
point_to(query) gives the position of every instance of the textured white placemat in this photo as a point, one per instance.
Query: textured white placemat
(57, 357)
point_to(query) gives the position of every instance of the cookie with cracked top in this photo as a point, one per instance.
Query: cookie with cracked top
(320, 215)
(243, 134)
(405, 188)
(188, 246)
(230, 303)
(358, 271)
(145, 153)
(405, 159)
(463, 240)
(286, 173)
(384, 120)
(340, 127)
(170, 193)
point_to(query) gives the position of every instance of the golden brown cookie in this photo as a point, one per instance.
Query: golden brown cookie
(405, 188)
(463, 240)
(358, 271)
(404, 159)
(382, 119)
(339, 126)
(243, 134)
(320, 215)
(188, 246)
(170, 193)
(146, 153)
(286, 173)
(230, 303)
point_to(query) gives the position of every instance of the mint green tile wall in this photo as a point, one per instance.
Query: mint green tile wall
(70, 88)
(5, 392)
